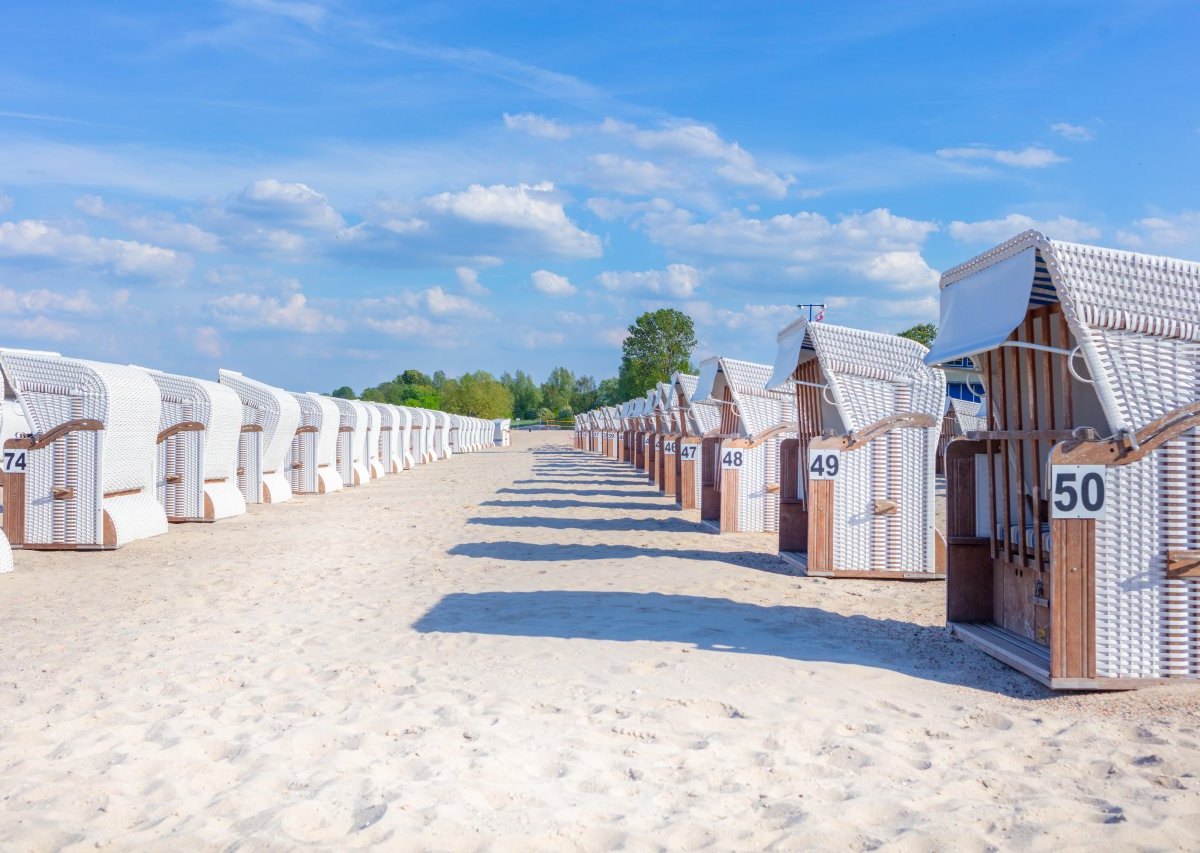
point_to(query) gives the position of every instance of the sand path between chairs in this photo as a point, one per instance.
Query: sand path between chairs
(528, 649)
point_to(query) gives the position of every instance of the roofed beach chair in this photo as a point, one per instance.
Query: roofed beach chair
(313, 467)
(741, 461)
(200, 424)
(960, 417)
(352, 441)
(84, 477)
(13, 424)
(371, 457)
(1073, 517)
(427, 436)
(457, 434)
(270, 418)
(687, 440)
(668, 438)
(391, 437)
(409, 429)
(858, 482)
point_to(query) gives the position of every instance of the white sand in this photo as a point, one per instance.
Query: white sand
(526, 649)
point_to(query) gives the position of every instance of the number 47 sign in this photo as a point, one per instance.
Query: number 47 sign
(1079, 491)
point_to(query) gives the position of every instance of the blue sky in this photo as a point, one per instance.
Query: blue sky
(326, 193)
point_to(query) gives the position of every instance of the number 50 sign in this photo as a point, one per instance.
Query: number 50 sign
(1079, 491)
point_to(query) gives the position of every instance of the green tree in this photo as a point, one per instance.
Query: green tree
(584, 395)
(477, 394)
(527, 397)
(345, 393)
(545, 414)
(609, 392)
(922, 333)
(557, 389)
(439, 379)
(659, 343)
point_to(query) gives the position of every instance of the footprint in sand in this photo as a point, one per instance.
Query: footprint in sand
(315, 822)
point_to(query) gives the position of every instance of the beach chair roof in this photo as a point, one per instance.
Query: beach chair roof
(758, 408)
(854, 363)
(1107, 297)
(968, 415)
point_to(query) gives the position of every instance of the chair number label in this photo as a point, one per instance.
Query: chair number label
(733, 459)
(14, 461)
(669, 447)
(1080, 491)
(688, 451)
(824, 464)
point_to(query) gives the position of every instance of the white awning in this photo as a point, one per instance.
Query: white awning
(791, 341)
(708, 378)
(980, 311)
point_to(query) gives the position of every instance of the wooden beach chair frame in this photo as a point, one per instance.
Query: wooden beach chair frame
(84, 477)
(1090, 358)
(858, 486)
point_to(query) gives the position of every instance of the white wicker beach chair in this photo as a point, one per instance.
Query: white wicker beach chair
(740, 464)
(1073, 518)
(410, 422)
(200, 424)
(391, 437)
(426, 436)
(371, 457)
(858, 483)
(84, 479)
(313, 468)
(456, 433)
(270, 418)
(352, 442)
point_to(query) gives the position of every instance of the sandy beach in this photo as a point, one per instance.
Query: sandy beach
(526, 649)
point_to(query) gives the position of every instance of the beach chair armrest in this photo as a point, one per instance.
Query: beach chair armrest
(47, 438)
(182, 426)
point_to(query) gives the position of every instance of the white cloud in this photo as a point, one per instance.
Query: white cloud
(468, 280)
(207, 342)
(533, 209)
(1072, 131)
(1031, 157)
(441, 304)
(635, 177)
(536, 125)
(765, 318)
(904, 270)
(408, 326)
(41, 329)
(292, 205)
(41, 300)
(1178, 233)
(677, 280)
(291, 313)
(552, 283)
(161, 228)
(31, 239)
(999, 230)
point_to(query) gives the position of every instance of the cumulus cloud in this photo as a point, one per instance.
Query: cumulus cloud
(999, 230)
(161, 228)
(1180, 232)
(441, 304)
(905, 270)
(290, 313)
(531, 209)
(1031, 157)
(552, 283)
(738, 166)
(36, 239)
(290, 205)
(468, 280)
(1072, 131)
(41, 300)
(536, 125)
(407, 326)
(677, 280)
(625, 175)
(41, 329)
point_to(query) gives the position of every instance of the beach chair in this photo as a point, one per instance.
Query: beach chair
(313, 467)
(456, 434)
(427, 436)
(200, 424)
(1073, 517)
(959, 418)
(370, 451)
(668, 438)
(352, 441)
(740, 462)
(391, 437)
(13, 424)
(84, 477)
(409, 454)
(857, 489)
(270, 418)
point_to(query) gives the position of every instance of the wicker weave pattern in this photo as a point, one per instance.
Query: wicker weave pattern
(313, 466)
(207, 461)
(352, 441)
(53, 390)
(374, 420)
(278, 413)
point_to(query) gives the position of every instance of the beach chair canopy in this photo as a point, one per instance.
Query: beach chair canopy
(748, 407)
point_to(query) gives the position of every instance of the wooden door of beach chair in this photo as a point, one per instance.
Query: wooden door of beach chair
(313, 468)
(84, 478)
(270, 418)
(706, 424)
(352, 442)
(200, 424)
(1073, 519)
(857, 493)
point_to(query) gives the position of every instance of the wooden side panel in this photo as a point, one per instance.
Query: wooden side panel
(969, 566)
(1072, 610)
(710, 491)
(14, 508)
(793, 512)
(820, 525)
(652, 457)
(687, 479)
(729, 500)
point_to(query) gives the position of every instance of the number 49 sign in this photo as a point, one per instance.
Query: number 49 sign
(1079, 491)
(824, 464)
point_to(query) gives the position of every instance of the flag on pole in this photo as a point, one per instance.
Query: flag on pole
(820, 315)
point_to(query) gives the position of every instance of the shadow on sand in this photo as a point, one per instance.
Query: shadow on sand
(535, 552)
(613, 525)
(565, 503)
(724, 625)
(606, 493)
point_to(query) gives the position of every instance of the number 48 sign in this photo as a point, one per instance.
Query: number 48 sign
(1079, 491)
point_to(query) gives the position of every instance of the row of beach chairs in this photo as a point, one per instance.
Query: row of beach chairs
(96, 455)
(1070, 542)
